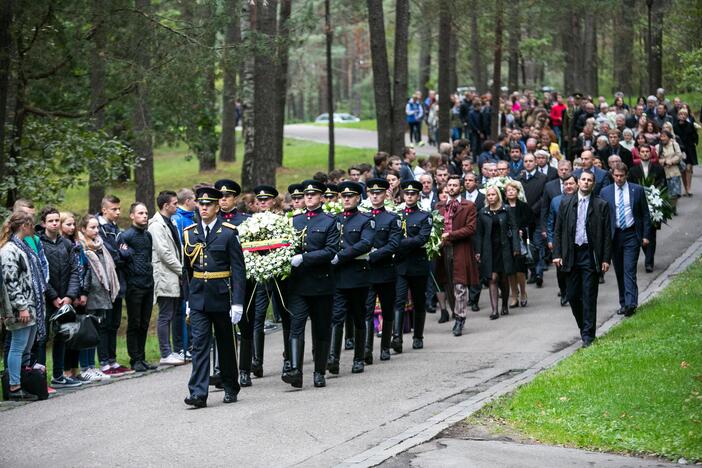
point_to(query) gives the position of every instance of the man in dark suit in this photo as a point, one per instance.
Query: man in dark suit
(471, 192)
(552, 189)
(582, 248)
(615, 148)
(533, 182)
(428, 197)
(543, 166)
(215, 288)
(601, 176)
(645, 173)
(630, 224)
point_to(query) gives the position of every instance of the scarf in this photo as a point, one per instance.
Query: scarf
(107, 275)
(451, 209)
(38, 284)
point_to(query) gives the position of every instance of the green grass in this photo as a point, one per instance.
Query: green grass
(173, 170)
(637, 390)
(370, 124)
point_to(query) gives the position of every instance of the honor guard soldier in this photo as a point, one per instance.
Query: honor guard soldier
(351, 275)
(297, 196)
(412, 265)
(311, 284)
(383, 275)
(275, 290)
(331, 193)
(227, 204)
(214, 290)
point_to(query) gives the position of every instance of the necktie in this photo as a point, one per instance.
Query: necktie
(621, 215)
(207, 232)
(580, 236)
(561, 186)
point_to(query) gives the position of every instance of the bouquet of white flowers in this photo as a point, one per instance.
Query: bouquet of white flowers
(500, 183)
(658, 203)
(268, 241)
(332, 208)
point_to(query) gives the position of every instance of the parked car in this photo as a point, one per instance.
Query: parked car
(338, 118)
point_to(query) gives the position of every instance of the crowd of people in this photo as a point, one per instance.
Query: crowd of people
(560, 188)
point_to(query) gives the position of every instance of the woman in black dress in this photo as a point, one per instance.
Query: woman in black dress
(521, 216)
(496, 244)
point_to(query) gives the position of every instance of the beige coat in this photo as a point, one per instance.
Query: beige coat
(672, 155)
(166, 260)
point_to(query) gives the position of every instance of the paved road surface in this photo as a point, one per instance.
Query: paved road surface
(144, 422)
(344, 137)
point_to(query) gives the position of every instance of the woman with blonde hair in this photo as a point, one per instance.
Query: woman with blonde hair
(521, 216)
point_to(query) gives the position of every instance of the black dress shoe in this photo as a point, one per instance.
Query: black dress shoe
(396, 344)
(149, 366)
(444, 316)
(564, 301)
(244, 378)
(629, 311)
(539, 281)
(319, 380)
(257, 369)
(494, 316)
(357, 367)
(649, 268)
(333, 366)
(368, 358)
(229, 397)
(475, 307)
(348, 344)
(294, 378)
(139, 367)
(417, 343)
(504, 311)
(384, 354)
(196, 402)
(621, 310)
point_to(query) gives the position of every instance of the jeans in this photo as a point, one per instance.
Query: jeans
(20, 347)
(415, 131)
(109, 325)
(87, 358)
(139, 302)
(168, 324)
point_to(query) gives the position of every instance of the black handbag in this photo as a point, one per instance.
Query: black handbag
(33, 381)
(528, 251)
(82, 333)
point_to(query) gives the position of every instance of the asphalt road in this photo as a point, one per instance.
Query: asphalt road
(143, 421)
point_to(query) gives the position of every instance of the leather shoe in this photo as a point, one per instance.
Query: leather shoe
(149, 366)
(384, 354)
(195, 401)
(396, 344)
(244, 379)
(539, 281)
(348, 344)
(504, 311)
(649, 268)
(294, 378)
(368, 358)
(621, 310)
(229, 397)
(333, 366)
(629, 311)
(494, 316)
(357, 367)
(139, 367)
(319, 380)
(417, 343)
(475, 307)
(564, 301)
(444, 316)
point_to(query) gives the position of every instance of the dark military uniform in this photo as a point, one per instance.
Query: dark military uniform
(413, 270)
(383, 276)
(215, 281)
(352, 279)
(311, 288)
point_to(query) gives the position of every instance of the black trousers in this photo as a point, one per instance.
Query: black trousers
(353, 304)
(583, 284)
(201, 324)
(386, 293)
(416, 285)
(650, 250)
(139, 304)
(107, 330)
(319, 310)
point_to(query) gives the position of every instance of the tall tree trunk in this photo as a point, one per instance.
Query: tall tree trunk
(96, 189)
(329, 35)
(261, 168)
(6, 12)
(282, 77)
(655, 65)
(402, 12)
(513, 36)
(497, 70)
(453, 60)
(445, 26)
(207, 132)
(141, 115)
(356, 99)
(570, 40)
(248, 25)
(232, 35)
(590, 53)
(425, 43)
(476, 56)
(381, 74)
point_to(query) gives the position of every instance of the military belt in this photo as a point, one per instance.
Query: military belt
(207, 275)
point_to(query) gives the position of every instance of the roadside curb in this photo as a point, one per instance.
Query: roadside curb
(424, 432)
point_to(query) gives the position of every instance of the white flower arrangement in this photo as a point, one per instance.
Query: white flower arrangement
(332, 208)
(659, 206)
(269, 242)
(501, 183)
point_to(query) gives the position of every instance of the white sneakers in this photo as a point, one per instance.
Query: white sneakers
(94, 375)
(172, 359)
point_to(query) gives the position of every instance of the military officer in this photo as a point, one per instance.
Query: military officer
(331, 193)
(275, 290)
(297, 196)
(311, 284)
(228, 213)
(351, 274)
(388, 234)
(412, 266)
(214, 290)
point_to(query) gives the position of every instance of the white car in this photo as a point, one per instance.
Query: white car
(338, 118)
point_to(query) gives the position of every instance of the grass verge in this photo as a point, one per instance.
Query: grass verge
(637, 390)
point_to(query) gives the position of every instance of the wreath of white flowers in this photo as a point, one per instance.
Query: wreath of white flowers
(269, 242)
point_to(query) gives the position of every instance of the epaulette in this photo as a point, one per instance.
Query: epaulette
(190, 227)
(229, 225)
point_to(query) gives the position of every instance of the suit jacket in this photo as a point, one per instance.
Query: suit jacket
(479, 200)
(534, 190)
(552, 189)
(597, 227)
(551, 174)
(602, 179)
(639, 209)
(655, 172)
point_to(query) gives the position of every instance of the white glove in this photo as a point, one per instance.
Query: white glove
(187, 309)
(335, 260)
(296, 260)
(235, 313)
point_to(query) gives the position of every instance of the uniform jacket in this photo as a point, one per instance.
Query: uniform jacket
(482, 241)
(234, 217)
(465, 223)
(320, 242)
(219, 252)
(412, 256)
(388, 234)
(166, 258)
(356, 232)
(639, 209)
(64, 278)
(598, 231)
